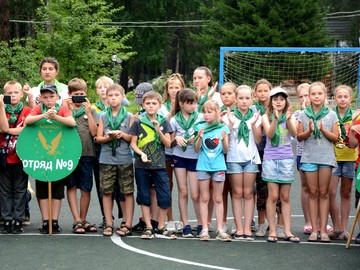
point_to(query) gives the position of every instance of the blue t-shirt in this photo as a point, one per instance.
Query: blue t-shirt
(211, 156)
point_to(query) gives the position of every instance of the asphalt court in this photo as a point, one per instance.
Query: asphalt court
(32, 250)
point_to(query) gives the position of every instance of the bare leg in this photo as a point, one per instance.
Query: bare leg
(73, 203)
(273, 196)
(84, 204)
(249, 181)
(345, 195)
(204, 187)
(334, 204)
(324, 182)
(129, 209)
(218, 202)
(304, 198)
(237, 182)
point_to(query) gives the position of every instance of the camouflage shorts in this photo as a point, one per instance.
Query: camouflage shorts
(123, 174)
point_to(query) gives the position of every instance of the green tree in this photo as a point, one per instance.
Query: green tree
(272, 23)
(77, 34)
(19, 61)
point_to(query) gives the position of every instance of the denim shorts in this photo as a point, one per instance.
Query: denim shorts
(312, 167)
(188, 163)
(82, 176)
(144, 180)
(215, 176)
(278, 170)
(298, 164)
(344, 168)
(241, 167)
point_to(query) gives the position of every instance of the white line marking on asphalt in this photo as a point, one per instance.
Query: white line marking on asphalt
(118, 241)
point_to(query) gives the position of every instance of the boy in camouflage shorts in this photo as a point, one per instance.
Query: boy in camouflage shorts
(115, 159)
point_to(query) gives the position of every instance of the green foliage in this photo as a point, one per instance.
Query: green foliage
(19, 61)
(76, 37)
(260, 23)
(159, 82)
(133, 108)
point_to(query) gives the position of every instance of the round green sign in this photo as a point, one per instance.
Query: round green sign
(49, 151)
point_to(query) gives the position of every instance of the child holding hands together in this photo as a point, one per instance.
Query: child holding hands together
(278, 164)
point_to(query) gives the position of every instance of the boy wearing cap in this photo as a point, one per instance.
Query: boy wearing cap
(140, 91)
(49, 109)
(13, 180)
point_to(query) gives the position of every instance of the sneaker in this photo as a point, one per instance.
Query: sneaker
(211, 227)
(27, 219)
(238, 236)
(249, 237)
(253, 225)
(17, 227)
(198, 230)
(140, 226)
(225, 227)
(55, 227)
(7, 227)
(280, 231)
(262, 228)
(164, 234)
(170, 226)
(357, 239)
(45, 227)
(187, 232)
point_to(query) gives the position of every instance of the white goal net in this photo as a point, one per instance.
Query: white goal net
(290, 67)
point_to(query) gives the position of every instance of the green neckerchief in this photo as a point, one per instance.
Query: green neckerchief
(223, 108)
(212, 127)
(9, 109)
(44, 109)
(275, 141)
(342, 120)
(309, 112)
(208, 128)
(146, 121)
(100, 105)
(186, 124)
(243, 130)
(202, 100)
(115, 122)
(167, 105)
(78, 112)
(260, 107)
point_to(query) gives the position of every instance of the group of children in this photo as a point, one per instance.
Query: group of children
(215, 143)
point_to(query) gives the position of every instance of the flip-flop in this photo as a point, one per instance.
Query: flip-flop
(272, 239)
(313, 237)
(292, 239)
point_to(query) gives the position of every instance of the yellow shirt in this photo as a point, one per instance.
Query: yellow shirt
(346, 153)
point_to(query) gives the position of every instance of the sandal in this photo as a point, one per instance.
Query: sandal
(272, 239)
(78, 228)
(108, 230)
(345, 236)
(313, 237)
(123, 230)
(165, 234)
(307, 229)
(324, 238)
(223, 236)
(292, 239)
(335, 235)
(204, 236)
(89, 227)
(147, 233)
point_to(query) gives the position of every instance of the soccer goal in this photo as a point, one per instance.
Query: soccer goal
(289, 67)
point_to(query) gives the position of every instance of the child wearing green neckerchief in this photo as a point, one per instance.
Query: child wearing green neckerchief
(243, 160)
(116, 166)
(14, 180)
(345, 158)
(278, 161)
(150, 136)
(318, 128)
(82, 178)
